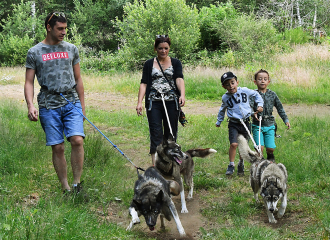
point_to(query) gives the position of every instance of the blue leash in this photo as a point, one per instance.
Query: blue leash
(103, 134)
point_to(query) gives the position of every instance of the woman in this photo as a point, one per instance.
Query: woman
(153, 84)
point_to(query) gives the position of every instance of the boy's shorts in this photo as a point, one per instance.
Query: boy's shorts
(63, 119)
(267, 136)
(237, 128)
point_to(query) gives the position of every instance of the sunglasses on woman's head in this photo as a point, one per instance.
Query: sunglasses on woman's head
(57, 14)
(159, 36)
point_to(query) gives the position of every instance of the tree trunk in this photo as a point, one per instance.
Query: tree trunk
(298, 15)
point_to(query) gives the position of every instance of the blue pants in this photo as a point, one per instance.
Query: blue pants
(267, 136)
(63, 119)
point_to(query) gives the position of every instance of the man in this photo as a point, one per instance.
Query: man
(56, 65)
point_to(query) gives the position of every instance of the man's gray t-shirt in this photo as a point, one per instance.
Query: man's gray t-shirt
(53, 65)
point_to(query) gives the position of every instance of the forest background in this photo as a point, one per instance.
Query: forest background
(119, 34)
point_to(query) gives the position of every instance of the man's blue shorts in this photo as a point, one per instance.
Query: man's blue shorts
(63, 119)
(267, 136)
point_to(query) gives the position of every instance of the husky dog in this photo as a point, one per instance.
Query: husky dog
(171, 162)
(151, 198)
(270, 178)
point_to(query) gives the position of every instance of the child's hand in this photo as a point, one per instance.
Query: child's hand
(259, 110)
(288, 125)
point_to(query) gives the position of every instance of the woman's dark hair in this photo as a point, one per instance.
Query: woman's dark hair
(54, 17)
(162, 39)
(260, 71)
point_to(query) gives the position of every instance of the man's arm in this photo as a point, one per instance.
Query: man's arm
(29, 94)
(80, 86)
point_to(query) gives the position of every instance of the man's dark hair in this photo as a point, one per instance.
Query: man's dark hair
(54, 17)
(162, 39)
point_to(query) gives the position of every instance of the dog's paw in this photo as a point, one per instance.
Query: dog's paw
(132, 223)
(136, 221)
(280, 212)
(184, 210)
(183, 234)
(255, 196)
(272, 220)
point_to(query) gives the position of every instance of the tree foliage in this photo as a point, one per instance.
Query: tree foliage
(94, 20)
(22, 23)
(143, 20)
(210, 18)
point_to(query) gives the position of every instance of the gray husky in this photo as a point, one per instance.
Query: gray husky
(152, 196)
(171, 162)
(270, 178)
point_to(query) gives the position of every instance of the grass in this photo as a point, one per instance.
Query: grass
(32, 206)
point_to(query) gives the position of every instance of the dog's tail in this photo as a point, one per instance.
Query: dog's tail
(245, 151)
(202, 153)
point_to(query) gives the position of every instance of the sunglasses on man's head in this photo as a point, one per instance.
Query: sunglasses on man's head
(57, 14)
(159, 36)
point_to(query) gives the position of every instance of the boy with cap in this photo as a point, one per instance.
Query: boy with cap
(236, 102)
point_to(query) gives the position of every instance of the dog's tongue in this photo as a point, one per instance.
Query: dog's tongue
(152, 228)
(178, 161)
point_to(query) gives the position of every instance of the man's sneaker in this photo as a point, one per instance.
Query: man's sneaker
(66, 192)
(77, 189)
(240, 169)
(230, 170)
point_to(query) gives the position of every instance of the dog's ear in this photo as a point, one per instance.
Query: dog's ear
(265, 183)
(164, 142)
(276, 182)
(171, 138)
(159, 197)
(137, 202)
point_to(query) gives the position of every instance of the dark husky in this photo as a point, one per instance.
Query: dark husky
(151, 198)
(270, 178)
(172, 162)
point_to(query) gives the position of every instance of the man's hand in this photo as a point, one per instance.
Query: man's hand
(33, 114)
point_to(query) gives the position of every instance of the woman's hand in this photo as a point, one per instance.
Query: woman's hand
(142, 92)
(182, 101)
(139, 109)
(181, 87)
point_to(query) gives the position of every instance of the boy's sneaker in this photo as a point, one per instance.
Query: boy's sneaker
(230, 170)
(240, 169)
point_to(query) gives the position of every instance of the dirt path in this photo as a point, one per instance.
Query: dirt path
(117, 102)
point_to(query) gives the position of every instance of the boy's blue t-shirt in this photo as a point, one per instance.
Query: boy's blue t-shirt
(237, 104)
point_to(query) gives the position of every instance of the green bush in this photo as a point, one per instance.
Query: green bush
(209, 19)
(143, 20)
(248, 37)
(103, 61)
(13, 49)
(296, 36)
